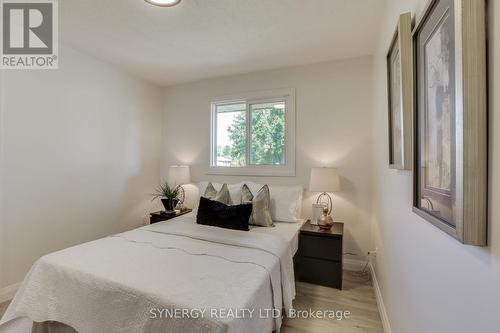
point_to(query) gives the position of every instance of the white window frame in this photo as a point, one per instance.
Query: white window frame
(285, 170)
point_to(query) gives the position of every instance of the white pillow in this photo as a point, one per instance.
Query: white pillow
(286, 201)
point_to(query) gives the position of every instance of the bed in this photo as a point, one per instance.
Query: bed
(160, 278)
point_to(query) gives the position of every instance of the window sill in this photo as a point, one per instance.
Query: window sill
(267, 171)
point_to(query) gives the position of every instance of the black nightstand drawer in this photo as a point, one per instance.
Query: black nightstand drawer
(156, 219)
(322, 272)
(319, 258)
(320, 247)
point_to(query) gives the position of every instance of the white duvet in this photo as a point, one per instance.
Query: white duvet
(121, 283)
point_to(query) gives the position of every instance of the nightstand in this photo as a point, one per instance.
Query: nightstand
(319, 258)
(162, 216)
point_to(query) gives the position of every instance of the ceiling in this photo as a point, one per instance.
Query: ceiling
(200, 39)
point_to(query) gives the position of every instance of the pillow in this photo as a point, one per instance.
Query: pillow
(223, 195)
(261, 205)
(210, 192)
(234, 190)
(246, 194)
(217, 214)
(286, 201)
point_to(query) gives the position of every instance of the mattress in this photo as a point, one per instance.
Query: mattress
(116, 281)
(289, 232)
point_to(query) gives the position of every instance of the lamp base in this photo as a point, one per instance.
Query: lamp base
(328, 202)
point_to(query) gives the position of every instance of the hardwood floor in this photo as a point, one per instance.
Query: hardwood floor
(357, 297)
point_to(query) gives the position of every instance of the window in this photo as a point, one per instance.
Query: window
(254, 134)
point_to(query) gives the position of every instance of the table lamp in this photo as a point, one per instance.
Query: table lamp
(179, 175)
(325, 180)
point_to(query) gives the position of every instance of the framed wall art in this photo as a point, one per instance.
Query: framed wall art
(450, 118)
(400, 95)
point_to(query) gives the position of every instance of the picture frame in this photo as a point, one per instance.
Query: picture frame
(317, 211)
(450, 119)
(400, 95)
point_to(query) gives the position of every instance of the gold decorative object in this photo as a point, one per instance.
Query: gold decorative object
(325, 221)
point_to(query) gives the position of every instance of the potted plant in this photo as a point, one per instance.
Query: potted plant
(169, 196)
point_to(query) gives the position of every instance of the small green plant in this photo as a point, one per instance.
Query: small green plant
(165, 191)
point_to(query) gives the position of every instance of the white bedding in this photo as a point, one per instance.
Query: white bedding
(112, 284)
(289, 232)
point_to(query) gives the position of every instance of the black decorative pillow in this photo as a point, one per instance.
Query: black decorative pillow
(217, 214)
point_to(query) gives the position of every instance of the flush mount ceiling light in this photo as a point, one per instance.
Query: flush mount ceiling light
(163, 3)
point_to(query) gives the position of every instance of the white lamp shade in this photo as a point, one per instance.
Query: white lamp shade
(324, 180)
(179, 175)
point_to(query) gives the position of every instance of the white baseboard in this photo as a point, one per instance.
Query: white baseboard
(7, 293)
(353, 264)
(380, 302)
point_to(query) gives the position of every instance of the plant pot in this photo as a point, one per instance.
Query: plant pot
(169, 204)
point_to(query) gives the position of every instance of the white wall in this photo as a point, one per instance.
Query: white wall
(334, 123)
(429, 281)
(79, 155)
(2, 226)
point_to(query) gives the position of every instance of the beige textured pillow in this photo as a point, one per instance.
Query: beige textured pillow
(224, 196)
(261, 206)
(210, 191)
(246, 194)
